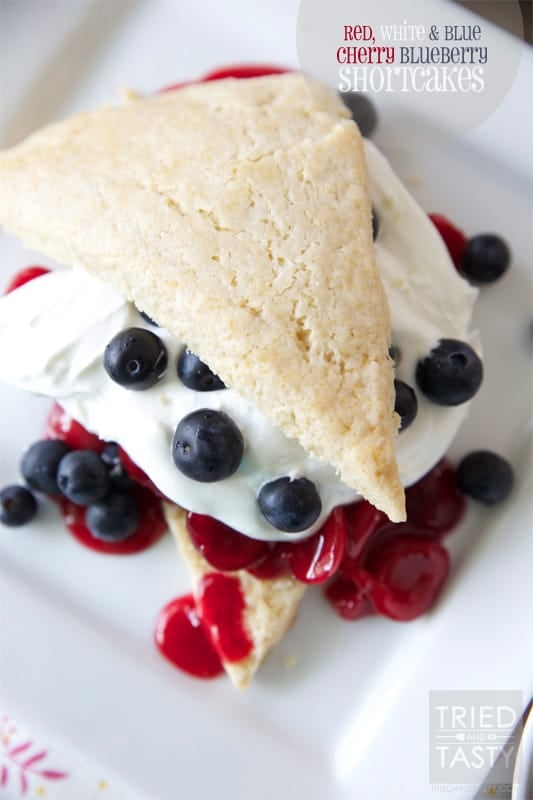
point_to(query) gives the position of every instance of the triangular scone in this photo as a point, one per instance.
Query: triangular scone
(271, 605)
(236, 214)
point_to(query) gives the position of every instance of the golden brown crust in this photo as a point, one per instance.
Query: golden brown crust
(235, 213)
(271, 605)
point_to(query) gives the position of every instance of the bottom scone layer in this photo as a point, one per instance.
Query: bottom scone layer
(270, 605)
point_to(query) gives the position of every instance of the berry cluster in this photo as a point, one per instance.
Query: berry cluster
(100, 525)
(96, 481)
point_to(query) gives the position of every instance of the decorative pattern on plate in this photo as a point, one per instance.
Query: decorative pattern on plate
(22, 762)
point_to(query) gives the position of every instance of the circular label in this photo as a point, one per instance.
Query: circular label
(420, 59)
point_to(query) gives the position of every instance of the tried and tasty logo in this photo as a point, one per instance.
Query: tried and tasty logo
(473, 737)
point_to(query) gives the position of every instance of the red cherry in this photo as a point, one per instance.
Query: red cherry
(25, 276)
(363, 522)
(183, 640)
(223, 547)
(347, 598)
(409, 573)
(435, 502)
(59, 425)
(315, 559)
(243, 71)
(236, 71)
(398, 569)
(274, 564)
(453, 238)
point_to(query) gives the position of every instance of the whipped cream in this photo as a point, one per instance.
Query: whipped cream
(428, 301)
(54, 330)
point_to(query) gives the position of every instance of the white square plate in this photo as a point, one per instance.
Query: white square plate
(350, 719)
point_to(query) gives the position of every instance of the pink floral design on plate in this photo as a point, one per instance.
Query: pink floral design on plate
(21, 761)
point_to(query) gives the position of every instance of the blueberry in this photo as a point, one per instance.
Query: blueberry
(451, 374)
(485, 476)
(135, 358)
(375, 225)
(405, 404)
(113, 518)
(363, 111)
(110, 455)
(148, 319)
(82, 477)
(197, 375)
(17, 506)
(290, 505)
(207, 445)
(485, 258)
(39, 464)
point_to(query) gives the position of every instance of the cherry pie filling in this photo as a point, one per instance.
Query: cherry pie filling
(366, 564)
